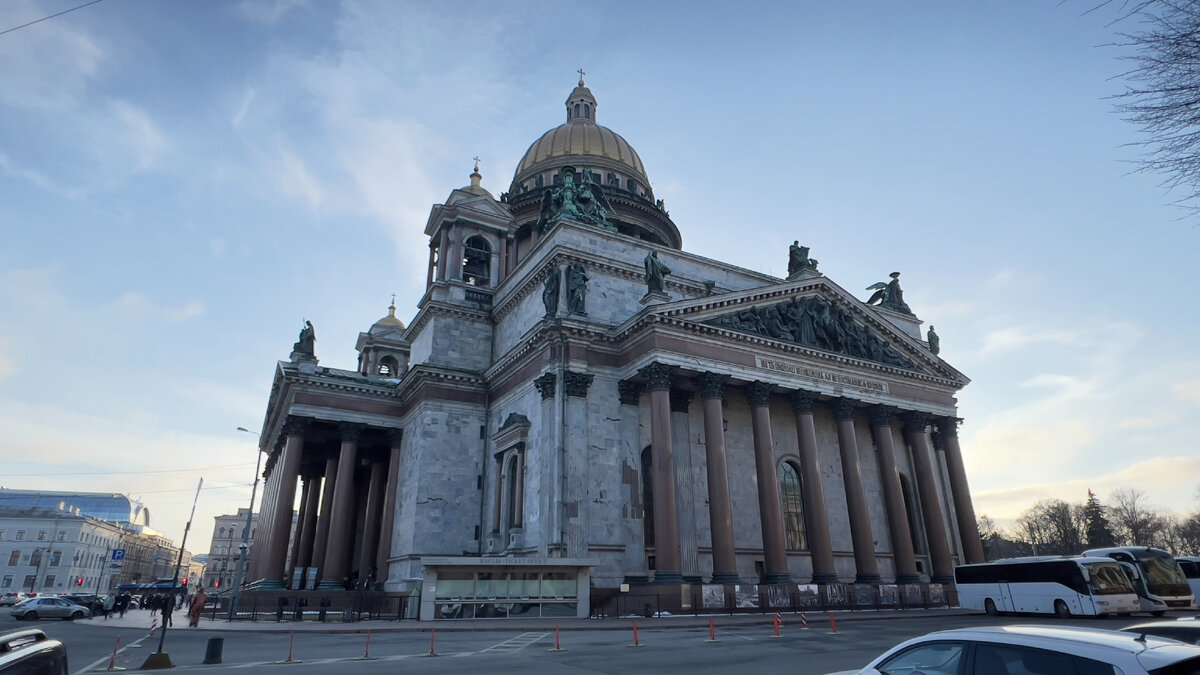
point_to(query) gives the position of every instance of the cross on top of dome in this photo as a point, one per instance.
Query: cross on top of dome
(581, 105)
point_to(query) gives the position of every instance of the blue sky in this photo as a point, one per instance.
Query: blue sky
(181, 184)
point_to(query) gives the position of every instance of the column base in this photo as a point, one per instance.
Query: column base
(636, 579)
(270, 585)
(908, 579)
(774, 578)
(725, 578)
(693, 579)
(941, 579)
(873, 579)
(667, 579)
(330, 585)
(825, 578)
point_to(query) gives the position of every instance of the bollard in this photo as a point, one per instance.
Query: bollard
(636, 641)
(778, 621)
(432, 643)
(112, 663)
(803, 621)
(216, 645)
(712, 631)
(557, 641)
(291, 645)
(832, 625)
(367, 652)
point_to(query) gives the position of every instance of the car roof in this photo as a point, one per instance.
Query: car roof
(1152, 652)
(1193, 624)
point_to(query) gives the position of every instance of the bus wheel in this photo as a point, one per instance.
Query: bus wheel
(1061, 610)
(1160, 612)
(990, 608)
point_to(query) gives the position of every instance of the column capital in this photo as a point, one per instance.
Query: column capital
(680, 400)
(295, 425)
(659, 375)
(759, 393)
(843, 408)
(576, 384)
(545, 385)
(351, 431)
(881, 415)
(630, 391)
(803, 401)
(915, 421)
(396, 436)
(948, 426)
(712, 385)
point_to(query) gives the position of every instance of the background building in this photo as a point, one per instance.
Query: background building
(63, 541)
(579, 403)
(225, 548)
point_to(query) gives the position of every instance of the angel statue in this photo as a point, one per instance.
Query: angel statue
(798, 259)
(888, 295)
(583, 201)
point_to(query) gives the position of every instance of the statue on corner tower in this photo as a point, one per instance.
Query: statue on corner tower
(888, 295)
(581, 200)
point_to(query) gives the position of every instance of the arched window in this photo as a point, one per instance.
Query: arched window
(477, 262)
(221, 534)
(389, 366)
(647, 497)
(792, 496)
(587, 112)
(510, 486)
(576, 111)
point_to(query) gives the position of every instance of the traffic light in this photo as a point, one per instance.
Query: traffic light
(185, 582)
(218, 583)
(79, 581)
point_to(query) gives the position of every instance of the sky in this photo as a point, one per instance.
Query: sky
(182, 184)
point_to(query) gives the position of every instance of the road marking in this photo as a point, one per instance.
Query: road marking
(106, 659)
(516, 644)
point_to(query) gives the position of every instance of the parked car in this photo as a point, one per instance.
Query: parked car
(49, 608)
(1184, 630)
(11, 598)
(30, 652)
(1035, 650)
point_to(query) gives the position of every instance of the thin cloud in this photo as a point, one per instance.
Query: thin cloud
(267, 12)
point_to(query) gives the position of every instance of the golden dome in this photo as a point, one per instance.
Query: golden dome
(389, 321)
(599, 146)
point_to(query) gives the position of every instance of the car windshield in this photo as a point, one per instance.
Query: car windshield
(1189, 667)
(1163, 576)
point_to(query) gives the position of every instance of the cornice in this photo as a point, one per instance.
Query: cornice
(441, 307)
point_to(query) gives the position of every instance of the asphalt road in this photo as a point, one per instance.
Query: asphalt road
(744, 649)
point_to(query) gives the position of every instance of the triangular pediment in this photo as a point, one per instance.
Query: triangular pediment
(817, 315)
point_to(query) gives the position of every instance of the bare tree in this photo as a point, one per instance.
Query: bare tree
(1053, 527)
(1134, 522)
(1164, 96)
(1189, 535)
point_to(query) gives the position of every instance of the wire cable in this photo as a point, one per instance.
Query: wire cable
(67, 11)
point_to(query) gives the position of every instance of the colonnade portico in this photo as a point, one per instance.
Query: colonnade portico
(337, 461)
(713, 387)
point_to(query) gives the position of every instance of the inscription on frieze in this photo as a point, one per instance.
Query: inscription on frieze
(823, 375)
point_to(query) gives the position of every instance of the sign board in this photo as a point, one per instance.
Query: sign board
(118, 554)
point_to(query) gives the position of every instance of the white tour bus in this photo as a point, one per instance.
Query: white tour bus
(1076, 586)
(1191, 569)
(1161, 584)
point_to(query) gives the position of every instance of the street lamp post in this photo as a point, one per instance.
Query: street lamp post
(239, 576)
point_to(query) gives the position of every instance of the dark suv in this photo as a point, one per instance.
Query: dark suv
(30, 652)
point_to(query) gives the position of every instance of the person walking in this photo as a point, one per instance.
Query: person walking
(196, 608)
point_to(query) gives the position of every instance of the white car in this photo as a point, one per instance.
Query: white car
(1035, 650)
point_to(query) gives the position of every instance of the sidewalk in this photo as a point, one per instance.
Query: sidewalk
(140, 619)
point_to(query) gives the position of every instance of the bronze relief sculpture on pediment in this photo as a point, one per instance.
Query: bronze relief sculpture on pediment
(814, 322)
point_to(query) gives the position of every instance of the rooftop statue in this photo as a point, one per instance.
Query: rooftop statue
(935, 342)
(581, 200)
(550, 291)
(576, 289)
(307, 342)
(656, 273)
(798, 259)
(888, 295)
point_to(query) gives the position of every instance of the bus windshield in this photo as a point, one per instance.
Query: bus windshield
(1107, 579)
(1163, 576)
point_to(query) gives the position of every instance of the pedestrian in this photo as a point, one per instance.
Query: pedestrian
(107, 606)
(196, 608)
(167, 608)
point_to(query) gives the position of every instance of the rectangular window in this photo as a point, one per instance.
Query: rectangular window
(14, 558)
(1, 535)
(35, 558)
(49, 581)
(20, 535)
(41, 535)
(30, 579)
(6, 582)
(62, 536)
(55, 556)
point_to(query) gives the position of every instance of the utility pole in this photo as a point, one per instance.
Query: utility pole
(239, 574)
(160, 660)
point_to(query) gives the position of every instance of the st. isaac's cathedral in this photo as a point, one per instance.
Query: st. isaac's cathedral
(579, 403)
